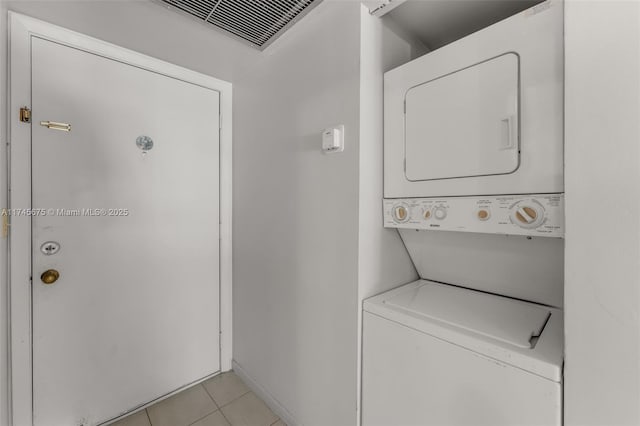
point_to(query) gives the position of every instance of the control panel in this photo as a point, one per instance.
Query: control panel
(540, 215)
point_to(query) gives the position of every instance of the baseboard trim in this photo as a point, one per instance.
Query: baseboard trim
(266, 396)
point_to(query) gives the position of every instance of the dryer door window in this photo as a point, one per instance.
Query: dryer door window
(464, 124)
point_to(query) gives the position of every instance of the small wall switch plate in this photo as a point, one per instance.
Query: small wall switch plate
(333, 139)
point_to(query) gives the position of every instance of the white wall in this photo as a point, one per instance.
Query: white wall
(139, 25)
(296, 219)
(602, 287)
(383, 261)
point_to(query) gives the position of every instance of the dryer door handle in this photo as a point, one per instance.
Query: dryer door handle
(508, 138)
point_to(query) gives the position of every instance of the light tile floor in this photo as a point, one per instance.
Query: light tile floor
(221, 401)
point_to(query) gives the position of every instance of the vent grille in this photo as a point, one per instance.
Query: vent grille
(258, 22)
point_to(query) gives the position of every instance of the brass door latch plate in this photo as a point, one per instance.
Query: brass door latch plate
(25, 115)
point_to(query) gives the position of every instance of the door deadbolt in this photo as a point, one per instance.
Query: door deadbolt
(50, 276)
(49, 248)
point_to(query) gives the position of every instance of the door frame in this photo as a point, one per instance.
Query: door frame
(21, 30)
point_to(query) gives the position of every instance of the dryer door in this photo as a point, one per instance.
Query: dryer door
(465, 123)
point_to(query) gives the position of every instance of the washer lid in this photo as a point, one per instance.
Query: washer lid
(511, 321)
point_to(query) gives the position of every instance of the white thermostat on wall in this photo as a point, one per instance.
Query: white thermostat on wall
(333, 139)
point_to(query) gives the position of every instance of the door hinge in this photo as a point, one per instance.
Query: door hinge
(25, 115)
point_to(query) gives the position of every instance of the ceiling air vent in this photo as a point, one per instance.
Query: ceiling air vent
(258, 22)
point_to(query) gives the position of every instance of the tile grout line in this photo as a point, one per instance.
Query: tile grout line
(210, 396)
(206, 415)
(219, 407)
(236, 398)
(225, 417)
(244, 394)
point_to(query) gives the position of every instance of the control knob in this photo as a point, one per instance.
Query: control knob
(527, 214)
(400, 213)
(483, 214)
(440, 212)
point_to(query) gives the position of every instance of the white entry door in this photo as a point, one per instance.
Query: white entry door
(130, 204)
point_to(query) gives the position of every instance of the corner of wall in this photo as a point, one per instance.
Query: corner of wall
(383, 261)
(295, 274)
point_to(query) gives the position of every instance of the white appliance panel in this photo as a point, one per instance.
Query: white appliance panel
(464, 124)
(440, 145)
(441, 366)
(475, 311)
(534, 215)
(543, 358)
(526, 268)
(411, 378)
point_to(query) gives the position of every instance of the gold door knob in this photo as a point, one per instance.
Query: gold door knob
(50, 276)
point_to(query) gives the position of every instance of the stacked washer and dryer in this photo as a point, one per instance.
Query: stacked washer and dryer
(473, 143)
